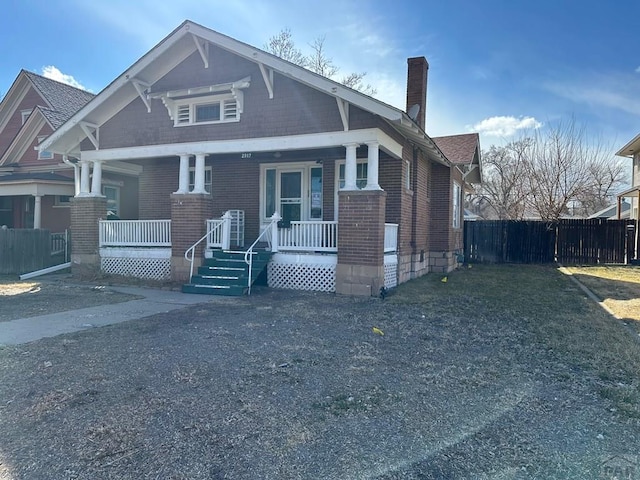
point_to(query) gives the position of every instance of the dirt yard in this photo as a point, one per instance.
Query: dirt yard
(52, 294)
(497, 373)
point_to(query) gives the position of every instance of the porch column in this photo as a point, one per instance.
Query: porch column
(198, 184)
(96, 181)
(84, 179)
(183, 179)
(37, 212)
(372, 166)
(350, 167)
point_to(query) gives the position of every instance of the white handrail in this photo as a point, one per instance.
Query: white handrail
(248, 255)
(225, 219)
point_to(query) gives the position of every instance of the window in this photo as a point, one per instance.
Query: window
(6, 211)
(207, 179)
(212, 109)
(113, 200)
(407, 174)
(456, 205)
(361, 175)
(25, 115)
(44, 155)
(62, 200)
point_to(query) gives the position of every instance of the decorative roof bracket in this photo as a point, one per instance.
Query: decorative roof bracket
(93, 136)
(343, 108)
(203, 49)
(268, 78)
(140, 87)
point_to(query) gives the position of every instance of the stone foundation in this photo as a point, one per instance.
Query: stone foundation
(363, 280)
(443, 262)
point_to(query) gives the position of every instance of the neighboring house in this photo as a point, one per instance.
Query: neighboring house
(35, 186)
(350, 193)
(631, 150)
(613, 212)
(463, 151)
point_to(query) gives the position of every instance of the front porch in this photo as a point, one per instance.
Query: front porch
(304, 253)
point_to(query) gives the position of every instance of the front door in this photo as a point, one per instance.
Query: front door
(291, 195)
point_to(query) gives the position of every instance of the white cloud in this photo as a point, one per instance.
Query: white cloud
(503, 126)
(55, 74)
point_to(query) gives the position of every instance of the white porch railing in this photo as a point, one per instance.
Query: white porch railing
(390, 237)
(217, 235)
(135, 233)
(314, 236)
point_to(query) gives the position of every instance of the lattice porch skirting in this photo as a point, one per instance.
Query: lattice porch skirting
(148, 263)
(303, 272)
(391, 270)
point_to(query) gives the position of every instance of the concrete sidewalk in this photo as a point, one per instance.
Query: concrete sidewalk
(155, 301)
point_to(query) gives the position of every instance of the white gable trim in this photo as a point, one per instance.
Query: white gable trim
(266, 144)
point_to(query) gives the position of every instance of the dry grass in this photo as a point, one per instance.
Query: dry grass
(561, 317)
(22, 299)
(618, 287)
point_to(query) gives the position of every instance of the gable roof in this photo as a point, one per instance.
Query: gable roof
(187, 39)
(463, 150)
(62, 98)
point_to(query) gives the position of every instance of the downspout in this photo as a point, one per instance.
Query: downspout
(76, 173)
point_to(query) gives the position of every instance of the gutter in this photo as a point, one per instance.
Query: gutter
(76, 173)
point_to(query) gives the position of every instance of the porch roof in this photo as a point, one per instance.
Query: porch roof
(186, 40)
(35, 184)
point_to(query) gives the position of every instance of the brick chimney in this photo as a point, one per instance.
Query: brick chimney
(417, 70)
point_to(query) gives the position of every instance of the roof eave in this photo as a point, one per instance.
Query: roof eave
(630, 148)
(53, 142)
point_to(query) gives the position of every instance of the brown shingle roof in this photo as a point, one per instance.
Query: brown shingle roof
(459, 149)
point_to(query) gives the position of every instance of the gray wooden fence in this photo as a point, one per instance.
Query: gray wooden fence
(24, 250)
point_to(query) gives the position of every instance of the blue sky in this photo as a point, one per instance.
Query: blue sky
(495, 66)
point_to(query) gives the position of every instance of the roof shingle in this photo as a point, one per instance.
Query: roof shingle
(459, 149)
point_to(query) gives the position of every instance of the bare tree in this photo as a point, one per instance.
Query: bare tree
(566, 165)
(559, 170)
(505, 187)
(283, 46)
(317, 61)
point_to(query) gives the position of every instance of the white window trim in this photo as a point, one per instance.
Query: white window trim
(455, 205)
(337, 182)
(40, 152)
(58, 204)
(193, 103)
(406, 178)
(192, 170)
(117, 189)
(24, 115)
(284, 167)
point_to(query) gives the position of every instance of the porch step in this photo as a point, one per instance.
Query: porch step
(226, 273)
(228, 290)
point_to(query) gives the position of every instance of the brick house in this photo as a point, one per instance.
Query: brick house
(348, 193)
(35, 186)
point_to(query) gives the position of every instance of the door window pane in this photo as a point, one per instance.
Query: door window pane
(291, 196)
(270, 192)
(316, 193)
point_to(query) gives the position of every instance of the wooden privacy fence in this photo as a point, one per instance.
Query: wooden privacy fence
(585, 241)
(24, 250)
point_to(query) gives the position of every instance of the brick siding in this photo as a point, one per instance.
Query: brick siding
(85, 213)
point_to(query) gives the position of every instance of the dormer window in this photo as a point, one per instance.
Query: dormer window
(212, 109)
(211, 104)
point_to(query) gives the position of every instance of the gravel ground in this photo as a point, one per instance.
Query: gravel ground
(291, 385)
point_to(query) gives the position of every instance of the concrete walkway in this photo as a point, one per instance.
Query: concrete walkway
(155, 301)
